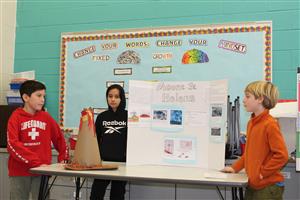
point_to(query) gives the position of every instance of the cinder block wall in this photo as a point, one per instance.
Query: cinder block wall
(39, 25)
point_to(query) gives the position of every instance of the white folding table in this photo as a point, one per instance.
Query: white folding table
(153, 173)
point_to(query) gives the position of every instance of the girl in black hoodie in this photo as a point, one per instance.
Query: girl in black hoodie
(111, 129)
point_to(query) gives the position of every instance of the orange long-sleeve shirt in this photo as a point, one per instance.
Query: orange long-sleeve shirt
(265, 152)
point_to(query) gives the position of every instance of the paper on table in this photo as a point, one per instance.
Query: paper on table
(216, 175)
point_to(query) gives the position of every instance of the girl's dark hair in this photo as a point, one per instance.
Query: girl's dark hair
(30, 86)
(122, 96)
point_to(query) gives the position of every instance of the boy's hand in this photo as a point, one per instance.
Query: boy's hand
(261, 177)
(228, 170)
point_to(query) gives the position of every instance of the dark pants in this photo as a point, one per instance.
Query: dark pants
(117, 189)
(272, 192)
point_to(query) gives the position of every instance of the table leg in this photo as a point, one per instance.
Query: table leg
(234, 193)
(43, 187)
(220, 193)
(241, 193)
(77, 188)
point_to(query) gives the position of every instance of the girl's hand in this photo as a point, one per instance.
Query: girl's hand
(228, 170)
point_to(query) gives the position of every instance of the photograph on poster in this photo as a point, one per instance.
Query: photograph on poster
(133, 117)
(215, 131)
(177, 149)
(176, 117)
(160, 114)
(140, 117)
(169, 147)
(145, 115)
(216, 111)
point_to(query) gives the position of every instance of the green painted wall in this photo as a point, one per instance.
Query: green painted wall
(40, 23)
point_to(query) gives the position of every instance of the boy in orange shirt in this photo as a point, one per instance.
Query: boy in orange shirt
(265, 152)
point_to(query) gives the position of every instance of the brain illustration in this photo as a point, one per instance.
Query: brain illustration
(129, 57)
(194, 56)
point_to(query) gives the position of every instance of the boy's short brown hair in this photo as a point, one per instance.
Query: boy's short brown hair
(30, 86)
(264, 89)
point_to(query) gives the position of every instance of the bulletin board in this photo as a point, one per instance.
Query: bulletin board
(91, 61)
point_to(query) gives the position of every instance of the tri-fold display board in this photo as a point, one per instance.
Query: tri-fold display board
(91, 61)
(177, 123)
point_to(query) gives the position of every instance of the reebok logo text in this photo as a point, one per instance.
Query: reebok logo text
(114, 123)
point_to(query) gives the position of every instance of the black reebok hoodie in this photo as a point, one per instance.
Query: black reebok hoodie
(111, 129)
